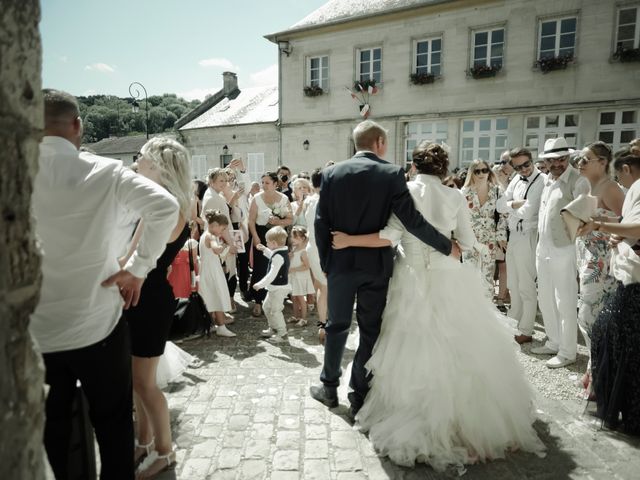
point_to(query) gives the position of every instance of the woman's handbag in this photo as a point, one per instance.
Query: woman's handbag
(190, 317)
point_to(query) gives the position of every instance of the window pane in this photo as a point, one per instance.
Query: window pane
(436, 45)
(479, 63)
(547, 54)
(435, 69)
(497, 36)
(568, 25)
(412, 128)
(629, 117)
(571, 121)
(435, 58)
(627, 15)
(626, 32)
(627, 135)
(422, 70)
(315, 62)
(496, 62)
(533, 122)
(467, 125)
(565, 52)
(467, 143)
(485, 125)
(484, 155)
(548, 28)
(502, 124)
(571, 138)
(496, 50)
(551, 120)
(422, 61)
(607, 118)
(422, 47)
(442, 127)
(549, 135)
(548, 43)
(606, 137)
(531, 141)
(467, 156)
(480, 52)
(377, 53)
(482, 38)
(365, 55)
(484, 142)
(377, 77)
(567, 41)
(501, 141)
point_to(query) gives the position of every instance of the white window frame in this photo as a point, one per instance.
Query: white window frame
(494, 150)
(636, 37)
(618, 127)
(425, 130)
(371, 73)
(199, 167)
(255, 166)
(490, 32)
(558, 21)
(543, 132)
(323, 65)
(429, 55)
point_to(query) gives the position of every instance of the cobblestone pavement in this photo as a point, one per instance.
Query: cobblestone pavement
(246, 414)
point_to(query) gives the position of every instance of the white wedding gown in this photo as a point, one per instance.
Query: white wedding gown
(448, 388)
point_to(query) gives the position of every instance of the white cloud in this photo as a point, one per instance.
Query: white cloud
(218, 62)
(100, 67)
(197, 93)
(266, 77)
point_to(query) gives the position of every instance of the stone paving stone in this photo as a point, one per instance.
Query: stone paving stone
(316, 449)
(195, 468)
(228, 458)
(315, 432)
(253, 469)
(316, 470)
(346, 460)
(258, 448)
(288, 440)
(204, 449)
(278, 475)
(286, 460)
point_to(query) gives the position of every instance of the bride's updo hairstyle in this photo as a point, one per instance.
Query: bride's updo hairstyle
(431, 159)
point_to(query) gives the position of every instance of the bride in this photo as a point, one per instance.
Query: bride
(447, 386)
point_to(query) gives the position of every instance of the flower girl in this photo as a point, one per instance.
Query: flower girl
(213, 282)
(300, 275)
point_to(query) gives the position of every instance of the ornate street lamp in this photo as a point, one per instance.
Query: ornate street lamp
(135, 106)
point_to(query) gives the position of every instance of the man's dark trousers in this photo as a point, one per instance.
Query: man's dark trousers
(370, 291)
(104, 370)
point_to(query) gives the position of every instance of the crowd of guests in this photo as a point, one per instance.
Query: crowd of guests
(120, 246)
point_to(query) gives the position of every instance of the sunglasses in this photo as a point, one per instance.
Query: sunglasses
(478, 171)
(522, 165)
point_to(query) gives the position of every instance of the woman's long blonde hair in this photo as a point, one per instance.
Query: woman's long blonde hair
(469, 181)
(174, 162)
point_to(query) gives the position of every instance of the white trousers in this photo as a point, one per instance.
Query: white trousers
(273, 305)
(521, 279)
(558, 298)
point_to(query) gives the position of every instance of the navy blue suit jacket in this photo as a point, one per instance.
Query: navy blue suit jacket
(357, 196)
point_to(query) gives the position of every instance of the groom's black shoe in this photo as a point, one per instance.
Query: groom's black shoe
(326, 395)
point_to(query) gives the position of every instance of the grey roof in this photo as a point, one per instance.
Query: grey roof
(340, 11)
(251, 105)
(117, 145)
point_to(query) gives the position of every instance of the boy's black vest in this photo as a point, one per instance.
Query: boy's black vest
(282, 278)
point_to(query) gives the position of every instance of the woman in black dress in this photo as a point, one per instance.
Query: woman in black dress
(166, 162)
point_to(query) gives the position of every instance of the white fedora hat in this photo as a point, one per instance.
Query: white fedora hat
(555, 148)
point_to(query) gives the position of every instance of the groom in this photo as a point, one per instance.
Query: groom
(357, 197)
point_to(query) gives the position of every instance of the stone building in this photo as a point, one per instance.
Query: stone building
(233, 123)
(481, 75)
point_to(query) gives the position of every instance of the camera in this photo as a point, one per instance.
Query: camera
(284, 178)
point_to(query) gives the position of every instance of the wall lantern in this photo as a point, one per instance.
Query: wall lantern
(305, 144)
(225, 150)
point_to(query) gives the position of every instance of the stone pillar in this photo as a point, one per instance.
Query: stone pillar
(21, 372)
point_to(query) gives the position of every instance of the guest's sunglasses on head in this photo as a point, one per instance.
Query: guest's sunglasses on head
(522, 165)
(478, 171)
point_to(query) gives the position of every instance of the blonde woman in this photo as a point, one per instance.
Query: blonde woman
(301, 190)
(166, 162)
(482, 192)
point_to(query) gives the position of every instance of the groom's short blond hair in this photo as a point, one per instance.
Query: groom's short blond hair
(367, 133)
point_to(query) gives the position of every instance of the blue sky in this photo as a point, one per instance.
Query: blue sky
(170, 46)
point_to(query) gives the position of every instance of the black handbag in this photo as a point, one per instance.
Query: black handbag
(190, 317)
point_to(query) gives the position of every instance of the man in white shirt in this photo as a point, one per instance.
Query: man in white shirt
(85, 207)
(556, 256)
(521, 202)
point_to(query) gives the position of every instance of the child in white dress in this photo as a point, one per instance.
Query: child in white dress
(300, 275)
(213, 282)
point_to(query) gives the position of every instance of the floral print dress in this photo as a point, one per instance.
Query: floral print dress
(596, 283)
(487, 231)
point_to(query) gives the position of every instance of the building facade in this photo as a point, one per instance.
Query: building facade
(480, 75)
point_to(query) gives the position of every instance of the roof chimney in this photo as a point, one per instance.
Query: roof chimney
(230, 82)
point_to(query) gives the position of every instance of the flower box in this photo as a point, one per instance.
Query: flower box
(365, 86)
(422, 78)
(554, 63)
(312, 91)
(627, 54)
(484, 71)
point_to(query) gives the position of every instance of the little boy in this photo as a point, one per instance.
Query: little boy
(276, 281)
